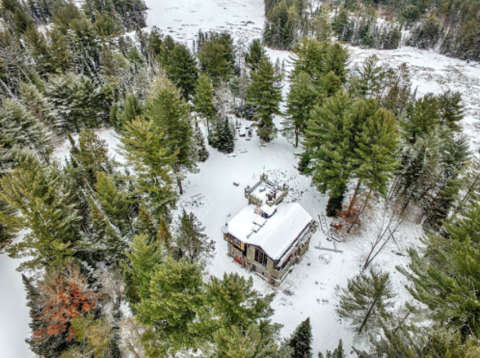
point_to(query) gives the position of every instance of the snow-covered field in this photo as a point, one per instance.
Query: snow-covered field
(211, 195)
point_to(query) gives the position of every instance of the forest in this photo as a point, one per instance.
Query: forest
(449, 26)
(111, 271)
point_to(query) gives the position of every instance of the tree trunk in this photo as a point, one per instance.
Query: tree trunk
(208, 126)
(402, 322)
(296, 137)
(180, 187)
(354, 198)
(360, 212)
(368, 315)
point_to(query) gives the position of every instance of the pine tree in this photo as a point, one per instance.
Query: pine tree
(41, 195)
(337, 353)
(131, 109)
(300, 102)
(254, 54)
(368, 79)
(319, 58)
(9, 223)
(445, 280)
(76, 99)
(422, 116)
(181, 68)
(416, 342)
(328, 142)
(59, 52)
(216, 56)
(41, 108)
(366, 299)
(265, 96)
(200, 147)
(204, 99)
(168, 111)
(116, 202)
(257, 340)
(105, 238)
(144, 256)
(232, 301)
(451, 110)
(22, 130)
(95, 336)
(453, 162)
(64, 295)
(174, 297)
(301, 340)
(145, 148)
(91, 155)
(145, 223)
(191, 241)
(225, 141)
(377, 145)
(49, 346)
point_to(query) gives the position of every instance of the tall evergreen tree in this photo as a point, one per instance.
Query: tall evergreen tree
(144, 256)
(368, 79)
(234, 302)
(22, 130)
(216, 56)
(41, 195)
(41, 107)
(300, 102)
(422, 116)
(91, 156)
(173, 298)
(181, 68)
(445, 280)
(328, 143)
(131, 109)
(171, 114)
(200, 147)
(204, 99)
(116, 202)
(77, 100)
(145, 148)
(191, 241)
(337, 353)
(451, 110)
(376, 148)
(9, 223)
(319, 58)
(265, 95)
(301, 340)
(366, 299)
(254, 341)
(254, 54)
(106, 239)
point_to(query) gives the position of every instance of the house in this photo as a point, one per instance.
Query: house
(269, 239)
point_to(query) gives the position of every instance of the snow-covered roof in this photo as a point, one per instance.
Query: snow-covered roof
(277, 234)
(269, 210)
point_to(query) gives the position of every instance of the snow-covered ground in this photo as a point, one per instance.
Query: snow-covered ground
(14, 315)
(435, 73)
(211, 195)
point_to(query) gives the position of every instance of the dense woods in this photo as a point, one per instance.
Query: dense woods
(111, 271)
(451, 26)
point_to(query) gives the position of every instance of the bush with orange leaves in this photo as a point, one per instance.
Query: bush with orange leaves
(64, 296)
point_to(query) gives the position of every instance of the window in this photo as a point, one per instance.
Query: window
(285, 263)
(261, 257)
